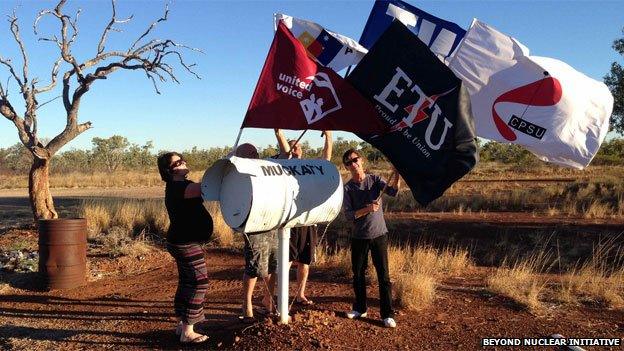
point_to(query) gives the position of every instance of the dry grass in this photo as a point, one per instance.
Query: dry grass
(147, 216)
(593, 193)
(600, 280)
(598, 209)
(414, 291)
(119, 241)
(97, 215)
(4, 287)
(521, 281)
(414, 271)
(438, 263)
(92, 179)
(338, 259)
(222, 232)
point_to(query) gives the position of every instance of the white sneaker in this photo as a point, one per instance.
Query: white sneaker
(355, 314)
(389, 323)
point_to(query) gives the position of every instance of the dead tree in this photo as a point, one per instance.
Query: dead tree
(154, 57)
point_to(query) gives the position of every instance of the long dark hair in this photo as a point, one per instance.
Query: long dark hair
(163, 165)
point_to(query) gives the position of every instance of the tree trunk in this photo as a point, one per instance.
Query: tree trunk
(39, 190)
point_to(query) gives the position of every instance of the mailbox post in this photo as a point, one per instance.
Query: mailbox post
(262, 195)
(282, 274)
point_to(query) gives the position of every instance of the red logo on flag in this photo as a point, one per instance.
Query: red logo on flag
(419, 115)
(544, 92)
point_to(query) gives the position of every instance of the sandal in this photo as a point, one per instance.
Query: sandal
(201, 338)
(247, 319)
(305, 302)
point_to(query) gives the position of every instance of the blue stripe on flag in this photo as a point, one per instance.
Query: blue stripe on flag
(331, 47)
(441, 36)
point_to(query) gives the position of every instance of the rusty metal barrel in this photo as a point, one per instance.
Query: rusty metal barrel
(63, 252)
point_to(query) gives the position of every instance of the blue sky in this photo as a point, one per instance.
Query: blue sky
(235, 36)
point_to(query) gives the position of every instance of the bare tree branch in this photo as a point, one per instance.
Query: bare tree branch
(66, 87)
(49, 101)
(109, 27)
(20, 43)
(8, 63)
(151, 77)
(150, 57)
(74, 25)
(39, 17)
(52, 39)
(182, 63)
(66, 43)
(54, 74)
(156, 59)
(149, 29)
(66, 136)
(7, 110)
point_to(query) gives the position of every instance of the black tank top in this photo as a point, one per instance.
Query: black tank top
(190, 221)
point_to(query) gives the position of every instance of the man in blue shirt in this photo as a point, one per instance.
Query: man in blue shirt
(362, 205)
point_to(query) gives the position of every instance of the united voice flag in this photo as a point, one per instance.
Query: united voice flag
(442, 37)
(294, 92)
(554, 111)
(328, 48)
(431, 140)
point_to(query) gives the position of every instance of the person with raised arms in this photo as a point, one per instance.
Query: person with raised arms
(303, 240)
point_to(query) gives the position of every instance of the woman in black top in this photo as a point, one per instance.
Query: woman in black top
(190, 225)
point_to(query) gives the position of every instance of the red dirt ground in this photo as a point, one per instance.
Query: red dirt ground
(129, 306)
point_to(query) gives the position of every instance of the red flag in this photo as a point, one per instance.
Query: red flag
(294, 92)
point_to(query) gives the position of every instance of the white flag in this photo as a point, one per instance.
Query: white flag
(328, 48)
(543, 104)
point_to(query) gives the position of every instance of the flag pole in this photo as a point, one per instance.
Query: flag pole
(296, 141)
(240, 131)
(348, 71)
(394, 174)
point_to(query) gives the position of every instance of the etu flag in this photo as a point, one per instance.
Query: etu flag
(431, 141)
(295, 92)
(328, 48)
(543, 104)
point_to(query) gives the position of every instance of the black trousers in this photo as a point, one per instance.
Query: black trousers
(378, 248)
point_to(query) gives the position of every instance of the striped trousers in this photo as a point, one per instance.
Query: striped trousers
(192, 281)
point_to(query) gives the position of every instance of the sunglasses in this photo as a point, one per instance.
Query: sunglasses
(176, 164)
(351, 161)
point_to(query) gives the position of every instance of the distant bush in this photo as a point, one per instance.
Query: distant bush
(494, 151)
(611, 153)
(117, 153)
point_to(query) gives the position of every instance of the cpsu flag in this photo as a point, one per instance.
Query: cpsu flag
(442, 37)
(554, 111)
(431, 140)
(294, 92)
(330, 49)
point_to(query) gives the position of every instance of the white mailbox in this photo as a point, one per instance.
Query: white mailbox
(260, 195)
